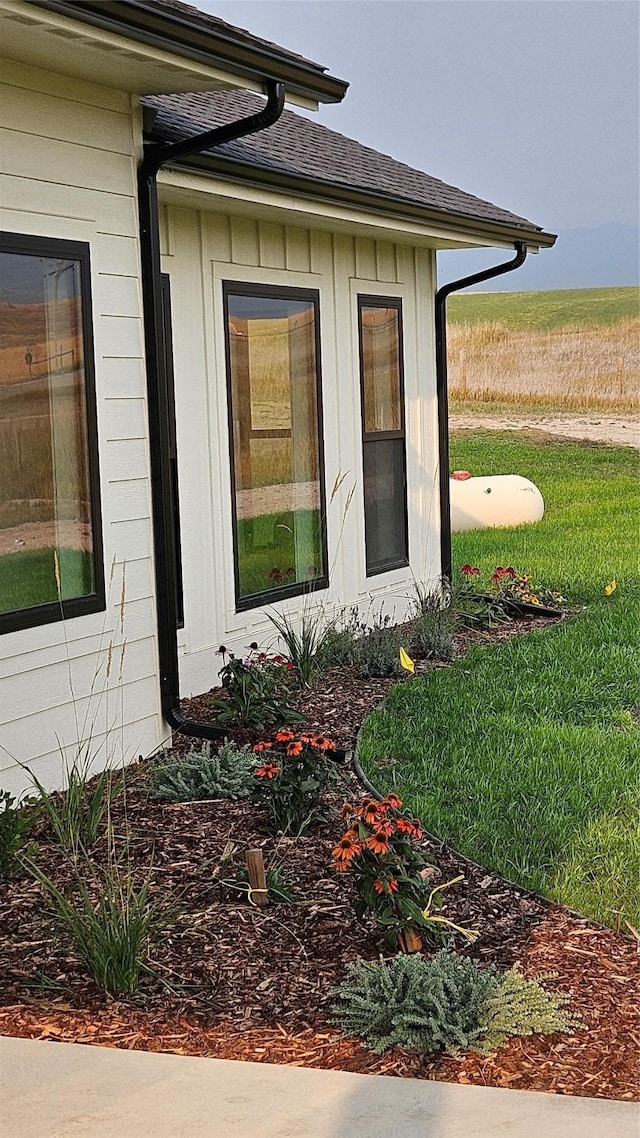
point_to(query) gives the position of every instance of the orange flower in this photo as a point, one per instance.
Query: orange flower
(393, 801)
(378, 842)
(269, 770)
(390, 886)
(294, 748)
(412, 828)
(283, 735)
(262, 746)
(308, 739)
(385, 826)
(370, 811)
(347, 848)
(322, 744)
(347, 809)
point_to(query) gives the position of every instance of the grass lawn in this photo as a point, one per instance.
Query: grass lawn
(28, 578)
(544, 310)
(526, 756)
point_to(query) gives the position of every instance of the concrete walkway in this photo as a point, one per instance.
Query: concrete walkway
(65, 1090)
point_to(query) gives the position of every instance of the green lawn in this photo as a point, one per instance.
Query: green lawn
(541, 310)
(526, 756)
(29, 578)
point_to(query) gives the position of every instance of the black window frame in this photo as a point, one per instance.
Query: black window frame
(54, 611)
(370, 438)
(300, 588)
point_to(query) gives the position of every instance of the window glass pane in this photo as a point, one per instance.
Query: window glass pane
(380, 348)
(276, 453)
(46, 542)
(384, 503)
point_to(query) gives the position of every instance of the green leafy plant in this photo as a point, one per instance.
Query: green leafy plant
(15, 823)
(257, 688)
(75, 814)
(448, 1001)
(228, 773)
(508, 585)
(339, 646)
(410, 1002)
(474, 609)
(432, 634)
(291, 782)
(279, 887)
(303, 637)
(523, 1007)
(391, 874)
(378, 647)
(110, 920)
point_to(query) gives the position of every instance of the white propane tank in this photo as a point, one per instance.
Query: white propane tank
(501, 500)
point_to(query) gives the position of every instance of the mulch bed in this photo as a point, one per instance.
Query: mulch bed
(230, 981)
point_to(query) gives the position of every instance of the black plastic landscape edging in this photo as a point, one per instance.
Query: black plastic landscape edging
(546, 902)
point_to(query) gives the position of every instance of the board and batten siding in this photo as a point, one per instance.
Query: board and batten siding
(201, 249)
(69, 153)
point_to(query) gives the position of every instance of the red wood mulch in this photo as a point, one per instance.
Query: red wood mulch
(235, 983)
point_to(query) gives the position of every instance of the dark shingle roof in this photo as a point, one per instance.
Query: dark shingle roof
(300, 149)
(214, 24)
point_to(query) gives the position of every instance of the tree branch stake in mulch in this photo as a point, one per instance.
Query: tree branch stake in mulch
(258, 892)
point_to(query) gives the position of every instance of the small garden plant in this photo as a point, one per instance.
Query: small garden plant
(227, 773)
(15, 824)
(391, 875)
(446, 1002)
(378, 647)
(257, 690)
(291, 783)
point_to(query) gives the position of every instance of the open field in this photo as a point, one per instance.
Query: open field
(525, 756)
(570, 349)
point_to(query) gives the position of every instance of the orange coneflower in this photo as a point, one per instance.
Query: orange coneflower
(347, 809)
(393, 801)
(323, 744)
(308, 739)
(370, 811)
(269, 770)
(378, 842)
(390, 886)
(283, 735)
(262, 746)
(347, 848)
(385, 826)
(294, 748)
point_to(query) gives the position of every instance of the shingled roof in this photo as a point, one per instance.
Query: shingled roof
(297, 153)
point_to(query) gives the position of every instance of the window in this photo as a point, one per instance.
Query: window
(50, 540)
(275, 422)
(383, 433)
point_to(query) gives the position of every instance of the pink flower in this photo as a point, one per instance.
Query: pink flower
(470, 571)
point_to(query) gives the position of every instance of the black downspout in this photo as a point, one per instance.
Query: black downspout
(156, 156)
(446, 558)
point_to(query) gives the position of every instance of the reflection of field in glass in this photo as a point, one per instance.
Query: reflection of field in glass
(277, 549)
(28, 579)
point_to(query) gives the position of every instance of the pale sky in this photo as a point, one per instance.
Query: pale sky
(532, 104)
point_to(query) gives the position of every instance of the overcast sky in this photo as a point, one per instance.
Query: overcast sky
(533, 104)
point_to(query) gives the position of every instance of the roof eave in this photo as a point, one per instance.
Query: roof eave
(366, 200)
(136, 20)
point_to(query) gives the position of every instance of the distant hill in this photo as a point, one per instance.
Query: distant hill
(607, 256)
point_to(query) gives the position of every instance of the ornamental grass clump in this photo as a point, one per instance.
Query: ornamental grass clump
(432, 635)
(110, 920)
(391, 875)
(228, 773)
(290, 785)
(446, 1002)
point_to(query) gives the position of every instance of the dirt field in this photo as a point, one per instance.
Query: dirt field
(613, 429)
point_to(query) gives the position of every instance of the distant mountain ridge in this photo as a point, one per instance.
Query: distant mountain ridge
(607, 256)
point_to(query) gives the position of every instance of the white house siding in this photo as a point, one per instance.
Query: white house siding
(200, 250)
(68, 171)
